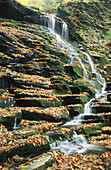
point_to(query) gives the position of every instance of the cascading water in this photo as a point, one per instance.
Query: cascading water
(99, 79)
(64, 31)
(79, 144)
(15, 124)
(51, 23)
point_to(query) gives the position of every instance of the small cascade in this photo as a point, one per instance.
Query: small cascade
(64, 31)
(85, 75)
(15, 124)
(99, 83)
(72, 53)
(71, 147)
(51, 23)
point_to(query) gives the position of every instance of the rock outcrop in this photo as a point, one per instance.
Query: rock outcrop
(40, 90)
(12, 9)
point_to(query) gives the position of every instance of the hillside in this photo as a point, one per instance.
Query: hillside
(41, 90)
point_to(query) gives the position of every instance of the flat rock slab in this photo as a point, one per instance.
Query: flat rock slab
(38, 102)
(71, 99)
(75, 109)
(55, 114)
(40, 164)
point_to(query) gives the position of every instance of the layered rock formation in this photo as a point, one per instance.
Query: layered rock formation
(40, 90)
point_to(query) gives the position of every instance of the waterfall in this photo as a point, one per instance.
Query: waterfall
(79, 144)
(51, 23)
(64, 31)
(99, 79)
(15, 124)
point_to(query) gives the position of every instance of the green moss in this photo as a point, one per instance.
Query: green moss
(92, 130)
(81, 109)
(66, 117)
(60, 85)
(9, 20)
(108, 36)
(84, 99)
(83, 86)
(50, 103)
(77, 70)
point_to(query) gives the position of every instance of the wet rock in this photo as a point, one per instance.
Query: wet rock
(18, 159)
(8, 119)
(42, 115)
(106, 118)
(4, 84)
(37, 68)
(70, 99)
(26, 149)
(92, 24)
(40, 164)
(106, 130)
(108, 69)
(5, 60)
(60, 85)
(69, 69)
(101, 107)
(14, 10)
(108, 86)
(75, 110)
(37, 102)
(82, 86)
(109, 97)
(6, 99)
(25, 134)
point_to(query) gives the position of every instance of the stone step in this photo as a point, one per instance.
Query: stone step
(27, 81)
(7, 117)
(106, 130)
(101, 107)
(36, 92)
(71, 99)
(109, 97)
(108, 86)
(52, 114)
(6, 99)
(40, 164)
(92, 121)
(91, 116)
(38, 102)
(75, 109)
(35, 144)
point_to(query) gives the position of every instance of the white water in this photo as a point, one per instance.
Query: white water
(64, 31)
(99, 79)
(51, 23)
(15, 124)
(79, 144)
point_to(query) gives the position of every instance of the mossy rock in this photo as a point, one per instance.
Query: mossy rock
(36, 115)
(73, 71)
(38, 102)
(27, 149)
(91, 130)
(9, 121)
(80, 86)
(60, 85)
(75, 110)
